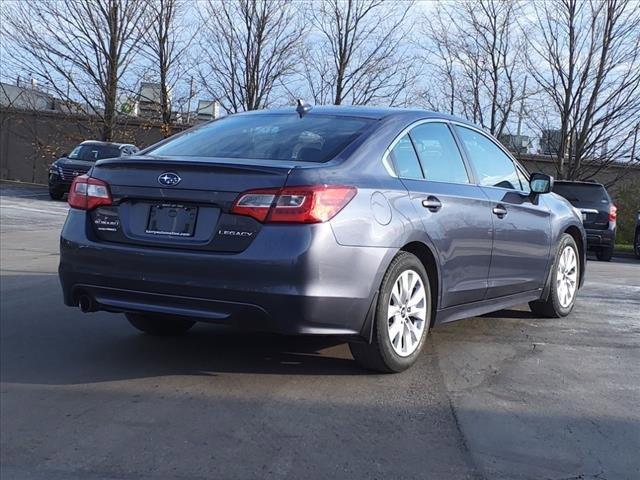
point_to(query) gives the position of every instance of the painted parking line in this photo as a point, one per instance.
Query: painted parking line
(37, 210)
(25, 195)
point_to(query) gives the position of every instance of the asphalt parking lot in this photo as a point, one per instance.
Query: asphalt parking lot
(503, 396)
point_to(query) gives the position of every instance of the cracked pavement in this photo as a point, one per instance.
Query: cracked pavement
(503, 396)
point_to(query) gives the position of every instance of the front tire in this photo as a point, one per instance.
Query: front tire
(565, 279)
(402, 318)
(637, 245)
(159, 325)
(55, 194)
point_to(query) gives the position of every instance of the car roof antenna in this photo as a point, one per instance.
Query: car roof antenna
(303, 107)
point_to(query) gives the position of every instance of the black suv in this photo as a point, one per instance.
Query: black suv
(80, 160)
(598, 214)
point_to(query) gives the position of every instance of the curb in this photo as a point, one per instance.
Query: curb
(26, 184)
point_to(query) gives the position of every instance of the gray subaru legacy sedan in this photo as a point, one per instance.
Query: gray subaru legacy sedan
(368, 224)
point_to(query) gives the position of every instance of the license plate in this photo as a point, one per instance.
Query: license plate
(172, 220)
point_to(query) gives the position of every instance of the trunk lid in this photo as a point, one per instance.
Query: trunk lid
(181, 202)
(595, 216)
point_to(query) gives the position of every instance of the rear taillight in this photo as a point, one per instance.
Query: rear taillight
(613, 213)
(87, 193)
(305, 204)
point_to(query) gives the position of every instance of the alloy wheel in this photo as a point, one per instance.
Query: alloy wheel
(406, 313)
(567, 276)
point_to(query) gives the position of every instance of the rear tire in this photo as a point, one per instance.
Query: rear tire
(159, 325)
(402, 318)
(56, 194)
(565, 275)
(604, 254)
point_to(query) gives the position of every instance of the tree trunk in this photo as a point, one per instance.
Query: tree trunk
(111, 84)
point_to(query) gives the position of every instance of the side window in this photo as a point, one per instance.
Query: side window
(405, 160)
(494, 167)
(439, 155)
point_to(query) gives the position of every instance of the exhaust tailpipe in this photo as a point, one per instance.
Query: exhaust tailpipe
(86, 304)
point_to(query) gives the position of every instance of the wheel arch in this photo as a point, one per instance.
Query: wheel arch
(428, 260)
(576, 234)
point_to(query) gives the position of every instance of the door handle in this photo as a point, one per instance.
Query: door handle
(432, 203)
(499, 210)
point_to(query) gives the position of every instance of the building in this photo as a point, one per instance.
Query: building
(30, 97)
(550, 142)
(149, 100)
(518, 144)
(207, 110)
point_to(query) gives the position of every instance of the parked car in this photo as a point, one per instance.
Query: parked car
(367, 224)
(598, 214)
(636, 242)
(80, 160)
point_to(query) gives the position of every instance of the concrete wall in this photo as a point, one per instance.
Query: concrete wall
(30, 140)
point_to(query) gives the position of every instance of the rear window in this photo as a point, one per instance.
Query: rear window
(312, 138)
(578, 192)
(94, 152)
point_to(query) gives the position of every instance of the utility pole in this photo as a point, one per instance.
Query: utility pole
(634, 144)
(189, 101)
(521, 112)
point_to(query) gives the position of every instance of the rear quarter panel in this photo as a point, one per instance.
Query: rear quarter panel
(382, 214)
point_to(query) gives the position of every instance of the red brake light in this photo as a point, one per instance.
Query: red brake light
(87, 193)
(305, 204)
(613, 213)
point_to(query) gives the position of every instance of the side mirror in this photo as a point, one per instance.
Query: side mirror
(541, 183)
(64, 155)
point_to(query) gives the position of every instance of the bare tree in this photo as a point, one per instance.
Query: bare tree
(165, 46)
(587, 63)
(248, 49)
(475, 56)
(79, 49)
(356, 52)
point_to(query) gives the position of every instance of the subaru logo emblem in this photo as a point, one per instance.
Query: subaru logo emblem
(169, 179)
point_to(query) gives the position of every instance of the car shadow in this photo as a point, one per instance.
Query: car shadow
(510, 314)
(44, 342)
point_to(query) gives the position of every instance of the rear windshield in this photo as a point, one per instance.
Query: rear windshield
(94, 152)
(312, 138)
(578, 192)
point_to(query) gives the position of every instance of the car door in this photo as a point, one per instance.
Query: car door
(521, 222)
(455, 213)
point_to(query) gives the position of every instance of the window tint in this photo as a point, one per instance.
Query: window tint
(94, 152)
(494, 167)
(438, 153)
(313, 138)
(405, 160)
(582, 192)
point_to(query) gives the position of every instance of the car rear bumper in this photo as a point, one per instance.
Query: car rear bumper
(600, 238)
(291, 279)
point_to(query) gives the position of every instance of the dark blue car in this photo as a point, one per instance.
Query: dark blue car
(367, 224)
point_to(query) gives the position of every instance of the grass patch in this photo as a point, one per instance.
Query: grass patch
(623, 248)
